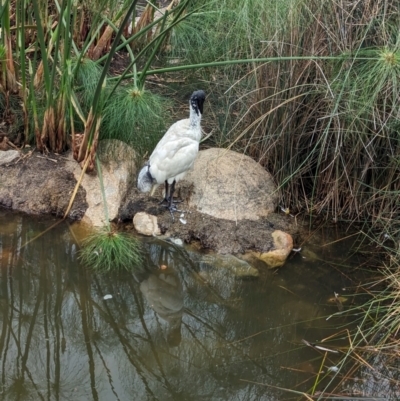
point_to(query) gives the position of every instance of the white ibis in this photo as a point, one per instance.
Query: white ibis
(175, 153)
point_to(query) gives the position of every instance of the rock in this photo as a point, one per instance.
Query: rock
(232, 186)
(283, 245)
(239, 268)
(81, 230)
(146, 224)
(8, 156)
(39, 184)
(310, 255)
(117, 167)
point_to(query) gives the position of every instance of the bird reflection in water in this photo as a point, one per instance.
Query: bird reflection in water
(163, 291)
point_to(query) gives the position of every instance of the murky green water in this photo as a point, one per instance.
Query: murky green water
(189, 332)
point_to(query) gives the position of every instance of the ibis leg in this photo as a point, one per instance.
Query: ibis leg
(166, 195)
(171, 196)
(171, 205)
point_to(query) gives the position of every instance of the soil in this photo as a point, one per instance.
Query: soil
(222, 236)
(39, 184)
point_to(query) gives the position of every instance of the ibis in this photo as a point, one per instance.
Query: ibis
(174, 154)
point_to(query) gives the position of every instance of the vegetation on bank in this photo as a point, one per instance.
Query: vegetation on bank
(316, 102)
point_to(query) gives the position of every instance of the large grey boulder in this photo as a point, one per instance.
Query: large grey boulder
(230, 185)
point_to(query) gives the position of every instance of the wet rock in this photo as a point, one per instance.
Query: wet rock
(146, 224)
(229, 185)
(239, 268)
(310, 255)
(283, 245)
(8, 156)
(81, 230)
(117, 168)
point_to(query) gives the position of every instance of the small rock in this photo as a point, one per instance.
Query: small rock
(6, 201)
(283, 244)
(8, 156)
(146, 224)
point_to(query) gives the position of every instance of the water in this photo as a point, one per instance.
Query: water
(189, 332)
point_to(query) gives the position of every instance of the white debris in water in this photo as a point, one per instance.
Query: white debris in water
(182, 215)
(333, 369)
(176, 241)
(108, 296)
(183, 221)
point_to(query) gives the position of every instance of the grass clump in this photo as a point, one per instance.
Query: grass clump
(87, 76)
(136, 117)
(107, 250)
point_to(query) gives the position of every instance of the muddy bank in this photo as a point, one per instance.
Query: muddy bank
(38, 184)
(220, 235)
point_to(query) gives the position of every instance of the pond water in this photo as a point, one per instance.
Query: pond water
(186, 332)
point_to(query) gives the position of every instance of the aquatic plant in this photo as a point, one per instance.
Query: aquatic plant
(108, 250)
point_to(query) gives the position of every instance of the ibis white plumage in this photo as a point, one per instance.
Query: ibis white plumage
(175, 153)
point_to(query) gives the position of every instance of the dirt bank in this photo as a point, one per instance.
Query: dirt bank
(223, 236)
(39, 184)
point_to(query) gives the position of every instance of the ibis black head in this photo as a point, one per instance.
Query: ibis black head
(197, 101)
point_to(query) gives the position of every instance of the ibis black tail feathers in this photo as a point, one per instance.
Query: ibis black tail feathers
(145, 180)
